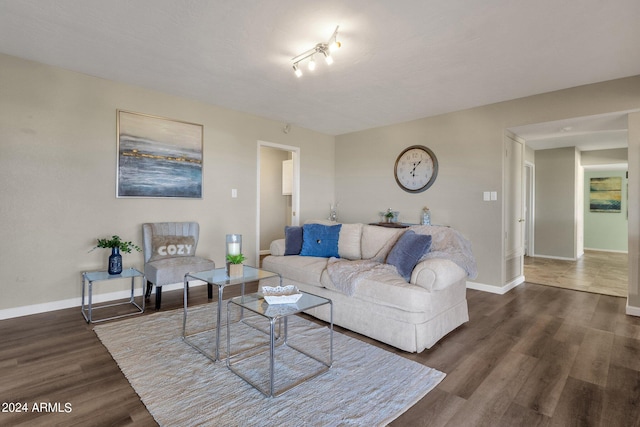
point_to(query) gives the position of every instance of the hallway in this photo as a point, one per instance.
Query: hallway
(597, 272)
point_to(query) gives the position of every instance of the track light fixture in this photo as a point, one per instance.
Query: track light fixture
(321, 48)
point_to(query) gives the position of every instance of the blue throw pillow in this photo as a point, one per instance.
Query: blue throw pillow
(407, 251)
(292, 240)
(320, 240)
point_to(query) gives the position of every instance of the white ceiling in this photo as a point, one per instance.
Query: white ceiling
(605, 131)
(400, 60)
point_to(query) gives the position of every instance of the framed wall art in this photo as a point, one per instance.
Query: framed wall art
(605, 194)
(158, 157)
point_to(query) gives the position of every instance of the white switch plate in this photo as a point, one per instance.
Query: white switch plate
(234, 193)
(486, 196)
(494, 195)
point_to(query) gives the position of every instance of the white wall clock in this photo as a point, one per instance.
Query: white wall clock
(416, 169)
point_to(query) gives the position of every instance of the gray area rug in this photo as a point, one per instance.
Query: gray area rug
(365, 386)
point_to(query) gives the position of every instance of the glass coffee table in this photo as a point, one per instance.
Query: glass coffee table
(219, 277)
(295, 365)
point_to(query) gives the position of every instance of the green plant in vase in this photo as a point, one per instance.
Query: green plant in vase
(234, 265)
(389, 215)
(235, 259)
(116, 244)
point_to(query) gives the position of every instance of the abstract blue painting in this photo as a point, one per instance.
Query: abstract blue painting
(158, 157)
(605, 194)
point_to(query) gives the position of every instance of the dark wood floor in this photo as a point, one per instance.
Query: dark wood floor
(537, 356)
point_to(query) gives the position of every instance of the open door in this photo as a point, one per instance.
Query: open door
(278, 167)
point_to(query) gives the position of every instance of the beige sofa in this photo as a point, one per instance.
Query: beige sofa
(380, 303)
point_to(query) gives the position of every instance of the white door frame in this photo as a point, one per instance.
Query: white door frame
(530, 206)
(295, 191)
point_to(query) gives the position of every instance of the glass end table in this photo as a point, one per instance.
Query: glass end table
(89, 278)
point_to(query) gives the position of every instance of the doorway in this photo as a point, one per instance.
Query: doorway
(276, 206)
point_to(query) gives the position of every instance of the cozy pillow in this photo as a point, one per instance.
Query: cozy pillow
(320, 240)
(292, 240)
(405, 254)
(171, 247)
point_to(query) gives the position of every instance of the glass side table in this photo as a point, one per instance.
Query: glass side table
(219, 278)
(89, 278)
(246, 362)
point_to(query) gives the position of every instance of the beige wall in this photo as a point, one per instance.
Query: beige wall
(469, 147)
(58, 171)
(604, 157)
(555, 207)
(58, 156)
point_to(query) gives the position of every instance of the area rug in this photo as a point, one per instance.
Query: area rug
(181, 387)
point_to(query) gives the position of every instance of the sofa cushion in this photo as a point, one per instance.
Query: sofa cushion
(349, 242)
(405, 254)
(320, 240)
(377, 241)
(302, 269)
(292, 240)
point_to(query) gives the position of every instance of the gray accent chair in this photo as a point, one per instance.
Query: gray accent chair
(169, 253)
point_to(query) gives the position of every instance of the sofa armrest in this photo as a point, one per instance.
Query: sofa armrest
(277, 247)
(435, 274)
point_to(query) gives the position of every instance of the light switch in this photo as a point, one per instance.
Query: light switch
(234, 193)
(494, 195)
(486, 196)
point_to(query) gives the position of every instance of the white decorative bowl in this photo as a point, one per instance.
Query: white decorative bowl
(281, 294)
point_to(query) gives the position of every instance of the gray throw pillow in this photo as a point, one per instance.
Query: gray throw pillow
(407, 251)
(292, 240)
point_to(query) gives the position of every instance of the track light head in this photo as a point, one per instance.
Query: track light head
(312, 63)
(297, 70)
(327, 57)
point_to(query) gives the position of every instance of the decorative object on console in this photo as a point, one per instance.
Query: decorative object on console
(416, 169)
(324, 49)
(389, 216)
(116, 244)
(234, 255)
(333, 212)
(426, 216)
(158, 157)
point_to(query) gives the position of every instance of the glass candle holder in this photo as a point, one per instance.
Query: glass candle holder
(234, 244)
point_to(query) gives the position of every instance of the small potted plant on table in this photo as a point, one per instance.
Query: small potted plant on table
(117, 245)
(234, 265)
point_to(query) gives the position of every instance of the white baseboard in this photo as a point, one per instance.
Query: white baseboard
(27, 310)
(606, 250)
(553, 257)
(632, 311)
(495, 289)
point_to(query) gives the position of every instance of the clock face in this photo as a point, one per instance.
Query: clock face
(416, 169)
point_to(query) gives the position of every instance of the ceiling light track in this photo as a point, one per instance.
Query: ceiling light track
(324, 49)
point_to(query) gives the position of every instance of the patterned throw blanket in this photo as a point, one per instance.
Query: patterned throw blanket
(346, 274)
(446, 243)
(449, 244)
